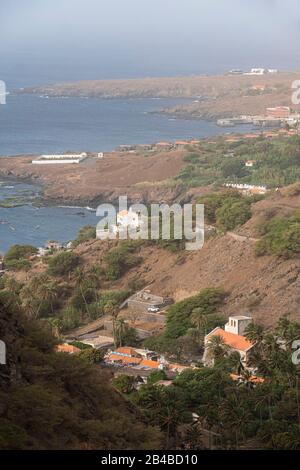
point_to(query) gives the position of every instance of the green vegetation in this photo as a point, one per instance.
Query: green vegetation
(281, 237)
(124, 335)
(179, 315)
(113, 297)
(227, 209)
(277, 162)
(41, 296)
(187, 323)
(91, 355)
(63, 263)
(17, 257)
(121, 259)
(80, 345)
(85, 234)
(124, 383)
(156, 376)
(57, 401)
(240, 414)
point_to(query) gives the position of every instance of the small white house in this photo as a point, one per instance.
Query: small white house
(250, 163)
(129, 219)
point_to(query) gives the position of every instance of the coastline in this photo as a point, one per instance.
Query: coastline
(213, 96)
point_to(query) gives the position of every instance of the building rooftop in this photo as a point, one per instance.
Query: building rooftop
(67, 348)
(240, 317)
(238, 342)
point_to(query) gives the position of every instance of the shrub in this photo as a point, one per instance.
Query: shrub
(128, 337)
(121, 259)
(282, 237)
(92, 356)
(234, 168)
(85, 234)
(226, 209)
(233, 213)
(63, 263)
(80, 345)
(70, 318)
(155, 376)
(124, 383)
(17, 256)
(113, 297)
(178, 319)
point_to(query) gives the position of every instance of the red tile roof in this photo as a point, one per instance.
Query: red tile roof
(67, 348)
(238, 342)
(127, 351)
(124, 359)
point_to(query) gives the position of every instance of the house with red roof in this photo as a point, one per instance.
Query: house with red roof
(67, 348)
(233, 338)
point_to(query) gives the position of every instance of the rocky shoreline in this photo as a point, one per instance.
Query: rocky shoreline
(213, 97)
(94, 182)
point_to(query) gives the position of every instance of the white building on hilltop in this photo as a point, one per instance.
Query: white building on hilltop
(129, 219)
(126, 220)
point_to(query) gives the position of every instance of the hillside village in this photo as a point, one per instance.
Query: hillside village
(153, 315)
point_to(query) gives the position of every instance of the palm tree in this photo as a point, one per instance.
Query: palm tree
(93, 279)
(120, 330)
(56, 326)
(217, 347)
(199, 320)
(112, 309)
(254, 333)
(50, 293)
(236, 416)
(80, 279)
(236, 362)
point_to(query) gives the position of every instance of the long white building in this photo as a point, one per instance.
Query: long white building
(59, 159)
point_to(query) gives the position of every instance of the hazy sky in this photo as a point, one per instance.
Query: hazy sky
(65, 39)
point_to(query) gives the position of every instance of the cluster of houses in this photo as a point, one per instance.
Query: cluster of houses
(254, 71)
(140, 362)
(277, 116)
(158, 146)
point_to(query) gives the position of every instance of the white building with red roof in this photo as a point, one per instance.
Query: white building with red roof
(233, 338)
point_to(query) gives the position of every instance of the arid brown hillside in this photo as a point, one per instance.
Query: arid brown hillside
(216, 96)
(95, 181)
(267, 287)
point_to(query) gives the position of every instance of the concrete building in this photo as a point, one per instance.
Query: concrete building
(238, 324)
(65, 159)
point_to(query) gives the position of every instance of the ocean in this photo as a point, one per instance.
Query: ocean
(30, 124)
